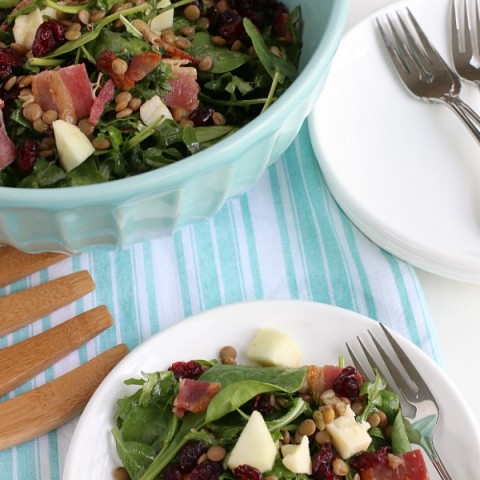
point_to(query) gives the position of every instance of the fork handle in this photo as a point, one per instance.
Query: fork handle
(438, 464)
(466, 113)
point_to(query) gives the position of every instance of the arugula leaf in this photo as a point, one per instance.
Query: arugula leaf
(45, 174)
(274, 65)
(379, 398)
(86, 173)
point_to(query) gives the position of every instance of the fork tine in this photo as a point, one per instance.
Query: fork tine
(455, 29)
(395, 373)
(357, 363)
(468, 48)
(406, 362)
(402, 61)
(429, 49)
(409, 30)
(477, 23)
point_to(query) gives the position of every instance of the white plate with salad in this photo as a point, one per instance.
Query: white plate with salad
(320, 331)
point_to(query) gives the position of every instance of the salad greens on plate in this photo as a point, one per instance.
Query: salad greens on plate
(97, 90)
(211, 419)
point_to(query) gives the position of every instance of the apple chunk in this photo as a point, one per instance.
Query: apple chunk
(163, 20)
(255, 446)
(349, 436)
(73, 145)
(152, 109)
(272, 347)
(297, 457)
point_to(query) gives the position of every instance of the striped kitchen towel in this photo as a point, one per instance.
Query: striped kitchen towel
(285, 239)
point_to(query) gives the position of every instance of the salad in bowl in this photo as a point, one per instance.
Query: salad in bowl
(275, 419)
(98, 90)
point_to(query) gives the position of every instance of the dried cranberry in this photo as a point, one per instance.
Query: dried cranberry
(228, 24)
(49, 36)
(367, 460)
(191, 369)
(258, 18)
(27, 155)
(202, 116)
(172, 472)
(206, 470)
(5, 72)
(263, 403)
(9, 59)
(347, 383)
(190, 454)
(246, 472)
(322, 463)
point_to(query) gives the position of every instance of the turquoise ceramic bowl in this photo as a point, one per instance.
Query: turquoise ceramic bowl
(156, 204)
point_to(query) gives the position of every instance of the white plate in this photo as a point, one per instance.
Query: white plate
(321, 330)
(407, 173)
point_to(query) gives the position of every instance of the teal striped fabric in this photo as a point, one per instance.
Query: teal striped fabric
(285, 239)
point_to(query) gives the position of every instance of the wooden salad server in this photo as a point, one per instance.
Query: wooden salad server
(44, 408)
(47, 407)
(24, 360)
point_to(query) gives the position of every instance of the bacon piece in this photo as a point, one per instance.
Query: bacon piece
(175, 52)
(67, 90)
(7, 148)
(185, 89)
(104, 63)
(320, 379)
(411, 467)
(142, 64)
(61, 97)
(106, 95)
(194, 396)
(75, 78)
(41, 91)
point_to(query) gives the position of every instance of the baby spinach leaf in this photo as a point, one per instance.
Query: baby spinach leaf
(284, 379)
(400, 441)
(210, 134)
(135, 456)
(223, 59)
(234, 395)
(298, 407)
(116, 42)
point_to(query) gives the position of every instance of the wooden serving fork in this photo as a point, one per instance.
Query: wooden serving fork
(42, 409)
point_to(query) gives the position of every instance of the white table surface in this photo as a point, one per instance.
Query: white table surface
(454, 306)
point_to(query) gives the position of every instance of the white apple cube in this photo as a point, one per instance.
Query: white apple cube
(152, 109)
(272, 347)
(73, 145)
(349, 436)
(297, 457)
(163, 20)
(255, 446)
(25, 28)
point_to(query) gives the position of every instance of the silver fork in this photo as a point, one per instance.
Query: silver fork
(463, 30)
(414, 392)
(421, 68)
